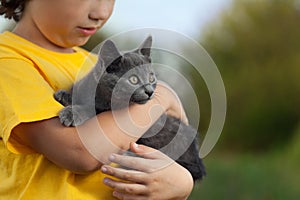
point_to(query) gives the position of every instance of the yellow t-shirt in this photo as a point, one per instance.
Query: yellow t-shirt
(29, 76)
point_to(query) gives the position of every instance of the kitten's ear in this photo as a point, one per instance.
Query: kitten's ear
(109, 53)
(145, 47)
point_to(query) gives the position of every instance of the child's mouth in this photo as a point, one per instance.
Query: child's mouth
(87, 31)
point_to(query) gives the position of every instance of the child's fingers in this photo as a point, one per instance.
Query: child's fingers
(123, 174)
(150, 159)
(131, 162)
(147, 152)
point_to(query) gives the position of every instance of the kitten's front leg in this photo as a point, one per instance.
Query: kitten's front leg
(64, 97)
(74, 115)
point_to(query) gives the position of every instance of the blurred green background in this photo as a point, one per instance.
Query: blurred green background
(256, 46)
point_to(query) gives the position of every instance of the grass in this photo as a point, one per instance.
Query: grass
(272, 176)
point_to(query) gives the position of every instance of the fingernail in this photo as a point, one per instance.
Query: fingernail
(105, 181)
(104, 169)
(135, 145)
(116, 194)
(112, 157)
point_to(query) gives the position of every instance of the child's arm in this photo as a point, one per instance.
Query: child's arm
(63, 146)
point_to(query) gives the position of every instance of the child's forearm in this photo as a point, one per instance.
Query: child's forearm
(85, 148)
(79, 149)
(59, 144)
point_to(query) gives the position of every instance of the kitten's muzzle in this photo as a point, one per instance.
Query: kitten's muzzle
(143, 94)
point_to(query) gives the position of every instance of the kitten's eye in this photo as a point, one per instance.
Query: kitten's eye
(151, 78)
(134, 80)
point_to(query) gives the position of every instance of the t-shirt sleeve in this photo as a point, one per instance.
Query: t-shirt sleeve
(25, 96)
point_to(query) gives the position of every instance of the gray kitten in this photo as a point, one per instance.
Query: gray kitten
(118, 80)
(109, 72)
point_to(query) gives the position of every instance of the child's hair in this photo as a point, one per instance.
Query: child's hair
(12, 8)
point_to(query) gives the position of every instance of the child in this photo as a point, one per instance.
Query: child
(40, 158)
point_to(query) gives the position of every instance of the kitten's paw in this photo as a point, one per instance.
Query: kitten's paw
(63, 97)
(71, 117)
(78, 118)
(66, 116)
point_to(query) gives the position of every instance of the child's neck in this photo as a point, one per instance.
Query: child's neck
(39, 39)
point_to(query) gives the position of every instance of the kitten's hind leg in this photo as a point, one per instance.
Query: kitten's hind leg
(64, 97)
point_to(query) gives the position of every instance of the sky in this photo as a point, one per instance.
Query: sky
(187, 17)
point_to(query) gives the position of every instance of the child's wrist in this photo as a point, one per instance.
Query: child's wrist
(164, 96)
(170, 101)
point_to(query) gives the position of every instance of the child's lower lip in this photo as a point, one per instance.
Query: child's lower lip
(87, 31)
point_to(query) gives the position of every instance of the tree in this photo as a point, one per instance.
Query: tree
(256, 46)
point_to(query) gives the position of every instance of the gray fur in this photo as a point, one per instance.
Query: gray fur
(112, 83)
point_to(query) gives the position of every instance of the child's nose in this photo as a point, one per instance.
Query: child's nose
(101, 11)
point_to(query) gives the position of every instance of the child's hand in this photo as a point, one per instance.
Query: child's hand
(152, 176)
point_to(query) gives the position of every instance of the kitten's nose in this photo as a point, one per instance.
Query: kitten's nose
(149, 91)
